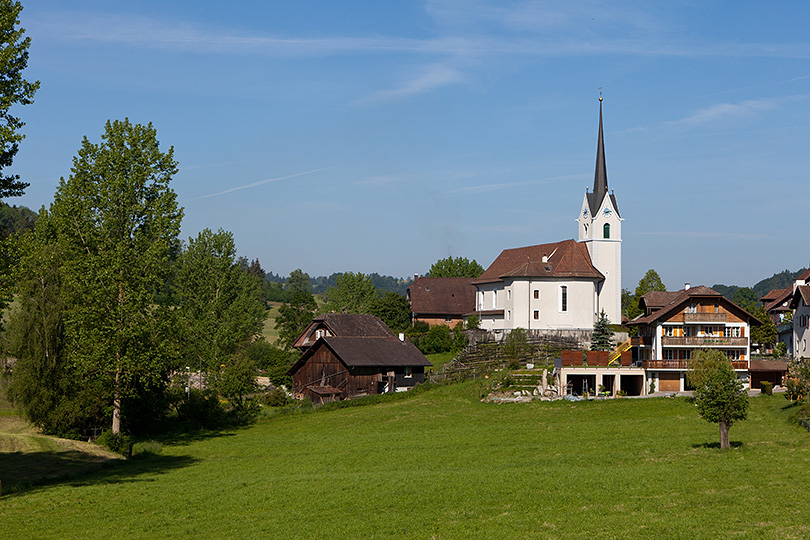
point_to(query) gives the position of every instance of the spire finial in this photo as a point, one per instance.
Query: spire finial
(600, 93)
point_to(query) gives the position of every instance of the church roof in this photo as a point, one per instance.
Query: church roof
(566, 259)
(600, 184)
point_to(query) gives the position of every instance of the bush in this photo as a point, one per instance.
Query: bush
(795, 389)
(275, 398)
(120, 444)
(201, 408)
(766, 387)
(437, 340)
(273, 360)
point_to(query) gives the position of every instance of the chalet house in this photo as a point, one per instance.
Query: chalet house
(441, 300)
(561, 286)
(350, 355)
(675, 323)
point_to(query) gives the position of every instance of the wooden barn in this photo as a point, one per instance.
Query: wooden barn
(341, 367)
(342, 325)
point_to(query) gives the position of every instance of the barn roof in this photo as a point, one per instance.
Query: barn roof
(367, 351)
(344, 324)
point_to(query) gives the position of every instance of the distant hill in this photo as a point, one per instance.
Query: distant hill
(321, 283)
(776, 281)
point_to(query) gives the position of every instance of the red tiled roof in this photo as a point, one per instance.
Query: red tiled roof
(778, 297)
(442, 296)
(558, 260)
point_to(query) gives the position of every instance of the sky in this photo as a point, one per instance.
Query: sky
(372, 136)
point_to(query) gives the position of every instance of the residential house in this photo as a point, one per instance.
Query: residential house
(441, 300)
(674, 324)
(778, 305)
(800, 304)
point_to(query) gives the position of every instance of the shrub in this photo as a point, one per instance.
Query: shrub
(275, 398)
(795, 389)
(201, 408)
(120, 444)
(437, 340)
(766, 387)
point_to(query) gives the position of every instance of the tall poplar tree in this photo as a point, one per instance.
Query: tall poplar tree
(116, 220)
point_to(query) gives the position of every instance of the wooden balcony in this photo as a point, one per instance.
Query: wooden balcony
(641, 341)
(684, 364)
(704, 317)
(704, 341)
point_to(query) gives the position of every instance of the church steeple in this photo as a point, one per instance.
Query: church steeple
(600, 184)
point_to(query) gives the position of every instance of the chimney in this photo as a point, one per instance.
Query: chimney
(686, 286)
(402, 337)
(415, 277)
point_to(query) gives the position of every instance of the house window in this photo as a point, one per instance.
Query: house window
(606, 230)
(494, 299)
(508, 294)
(669, 354)
(732, 355)
(408, 372)
(686, 355)
(687, 331)
(564, 298)
(480, 300)
(508, 314)
(669, 331)
(448, 318)
(318, 334)
(537, 294)
(692, 308)
(536, 314)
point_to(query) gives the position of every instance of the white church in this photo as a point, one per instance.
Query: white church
(562, 286)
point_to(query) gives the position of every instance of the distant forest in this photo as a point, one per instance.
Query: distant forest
(319, 284)
(776, 281)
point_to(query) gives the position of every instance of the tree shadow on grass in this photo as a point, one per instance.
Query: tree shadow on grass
(733, 444)
(22, 472)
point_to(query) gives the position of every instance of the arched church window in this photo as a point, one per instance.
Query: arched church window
(606, 231)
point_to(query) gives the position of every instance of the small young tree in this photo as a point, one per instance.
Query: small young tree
(602, 337)
(719, 394)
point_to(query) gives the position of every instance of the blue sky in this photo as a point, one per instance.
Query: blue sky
(381, 136)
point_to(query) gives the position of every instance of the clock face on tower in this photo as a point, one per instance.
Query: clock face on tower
(606, 212)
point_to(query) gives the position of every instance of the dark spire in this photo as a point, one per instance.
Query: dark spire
(600, 186)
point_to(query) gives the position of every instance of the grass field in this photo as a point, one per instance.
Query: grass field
(443, 465)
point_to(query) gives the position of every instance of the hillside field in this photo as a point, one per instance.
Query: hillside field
(442, 465)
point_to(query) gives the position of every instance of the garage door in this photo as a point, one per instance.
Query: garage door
(669, 382)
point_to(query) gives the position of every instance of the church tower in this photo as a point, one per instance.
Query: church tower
(600, 228)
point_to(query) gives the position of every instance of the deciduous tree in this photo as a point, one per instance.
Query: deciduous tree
(393, 309)
(220, 302)
(456, 267)
(295, 315)
(719, 393)
(116, 219)
(14, 90)
(352, 292)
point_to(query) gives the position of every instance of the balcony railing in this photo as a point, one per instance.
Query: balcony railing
(704, 317)
(641, 341)
(704, 341)
(684, 364)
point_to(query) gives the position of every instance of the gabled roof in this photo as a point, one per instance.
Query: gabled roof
(442, 295)
(566, 259)
(774, 300)
(678, 301)
(367, 352)
(345, 325)
(802, 292)
(767, 366)
(805, 276)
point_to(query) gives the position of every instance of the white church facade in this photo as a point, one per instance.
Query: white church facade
(562, 285)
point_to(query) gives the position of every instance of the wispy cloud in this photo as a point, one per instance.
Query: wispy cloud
(730, 111)
(262, 182)
(430, 78)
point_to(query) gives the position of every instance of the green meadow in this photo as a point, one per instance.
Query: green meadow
(440, 465)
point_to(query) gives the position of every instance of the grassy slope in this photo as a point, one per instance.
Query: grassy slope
(442, 465)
